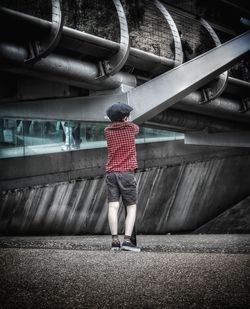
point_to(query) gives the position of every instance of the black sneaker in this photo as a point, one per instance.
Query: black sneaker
(116, 244)
(133, 239)
(127, 245)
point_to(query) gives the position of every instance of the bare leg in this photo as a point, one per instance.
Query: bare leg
(129, 243)
(130, 219)
(113, 217)
(133, 236)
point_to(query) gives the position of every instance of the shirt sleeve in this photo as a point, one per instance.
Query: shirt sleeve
(105, 132)
(136, 128)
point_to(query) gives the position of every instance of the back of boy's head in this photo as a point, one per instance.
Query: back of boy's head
(118, 111)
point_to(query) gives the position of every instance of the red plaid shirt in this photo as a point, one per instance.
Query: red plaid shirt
(120, 138)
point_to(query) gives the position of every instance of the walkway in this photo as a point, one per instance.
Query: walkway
(172, 271)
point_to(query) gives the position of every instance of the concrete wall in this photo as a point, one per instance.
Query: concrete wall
(180, 188)
(65, 166)
(235, 220)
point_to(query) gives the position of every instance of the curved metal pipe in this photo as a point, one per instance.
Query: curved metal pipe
(177, 40)
(61, 68)
(41, 49)
(82, 74)
(84, 43)
(115, 63)
(221, 107)
(187, 121)
(215, 88)
(239, 82)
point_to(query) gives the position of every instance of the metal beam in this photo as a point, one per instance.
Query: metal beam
(231, 139)
(90, 109)
(93, 108)
(165, 90)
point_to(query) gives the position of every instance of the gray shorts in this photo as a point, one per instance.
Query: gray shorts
(122, 184)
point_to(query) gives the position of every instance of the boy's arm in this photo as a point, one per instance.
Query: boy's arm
(136, 128)
(105, 131)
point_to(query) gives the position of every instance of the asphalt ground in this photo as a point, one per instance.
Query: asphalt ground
(172, 271)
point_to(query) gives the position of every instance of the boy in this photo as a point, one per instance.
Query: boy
(120, 168)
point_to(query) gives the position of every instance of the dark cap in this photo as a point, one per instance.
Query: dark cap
(118, 111)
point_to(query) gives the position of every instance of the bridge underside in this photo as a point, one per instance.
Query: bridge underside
(67, 84)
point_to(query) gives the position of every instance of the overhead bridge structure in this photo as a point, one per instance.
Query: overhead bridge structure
(78, 75)
(148, 99)
(204, 72)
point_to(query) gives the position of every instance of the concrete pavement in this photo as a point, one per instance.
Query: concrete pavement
(172, 271)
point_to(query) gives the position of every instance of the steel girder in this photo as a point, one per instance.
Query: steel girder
(167, 89)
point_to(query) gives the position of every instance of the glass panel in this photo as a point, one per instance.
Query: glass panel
(92, 135)
(42, 137)
(25, 137)
(11, 138)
